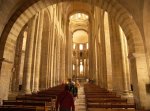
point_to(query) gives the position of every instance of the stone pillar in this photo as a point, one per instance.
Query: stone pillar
(59, 66)
(90, 47)
(108, 52)
(52, 56)
(69, 55)
(58, 61)
(103, 53)
(38, 51)
(140, 80)
(84, 67)
(49, 60)
(96, 63)
(126, 77)
(116, 52)
(17, 64)
(5, 77)
(54, 66)
(21, 67)
(99, 64)
(44, 74)
(28, 57)
(77, 69)
(77, 59)
(87, 68)
(62, 61)
(91, 65)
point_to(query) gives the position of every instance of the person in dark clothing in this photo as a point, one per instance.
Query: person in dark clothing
(76, 87)
(75, 92)
(65, 101)
(71, 86)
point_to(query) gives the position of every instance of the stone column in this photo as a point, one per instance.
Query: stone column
(77, 67)
(126, 78)
(5, 77)
(116, 55)
(99, 64)
(38, 51)
(92, 51)
(54, 66)
(87, 67)
(90, 41)
(68, 52)
(69, 55)
(44, 74)
(77, 57)
(58, 61)
(52, 56)
(49, 60)
(21, 67)
(17, 64)
(96, 62)
(91, 65)
(140, 80)
(103, 53)
(28, 57)
(84, 67)
(62, 61)
(108, 52)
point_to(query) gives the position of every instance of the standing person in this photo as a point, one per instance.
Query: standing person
(71, 85)
(65, 101)
(76, 87)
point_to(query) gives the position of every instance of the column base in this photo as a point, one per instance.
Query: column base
(12, 95)
(110, 90)
(25, 92)
(35, 91)
(129, 96)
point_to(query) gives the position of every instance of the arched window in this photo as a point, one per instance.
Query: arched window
(81, 46)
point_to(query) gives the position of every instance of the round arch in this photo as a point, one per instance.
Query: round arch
(128, 25)
(124, 19)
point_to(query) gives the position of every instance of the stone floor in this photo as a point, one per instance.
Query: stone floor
(80, 104)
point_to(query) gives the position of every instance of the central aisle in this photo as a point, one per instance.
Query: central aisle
(80, 104)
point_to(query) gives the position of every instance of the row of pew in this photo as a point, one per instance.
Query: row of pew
(98, 99)
(40, 101)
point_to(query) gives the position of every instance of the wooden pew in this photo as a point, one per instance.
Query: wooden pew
(44, 106)
(110, 105)
(40, 101)
(53, 96)
(25, 102)
(103, 109)
(48, 99)
(100, 98)
(106, 100)
(18, 108)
